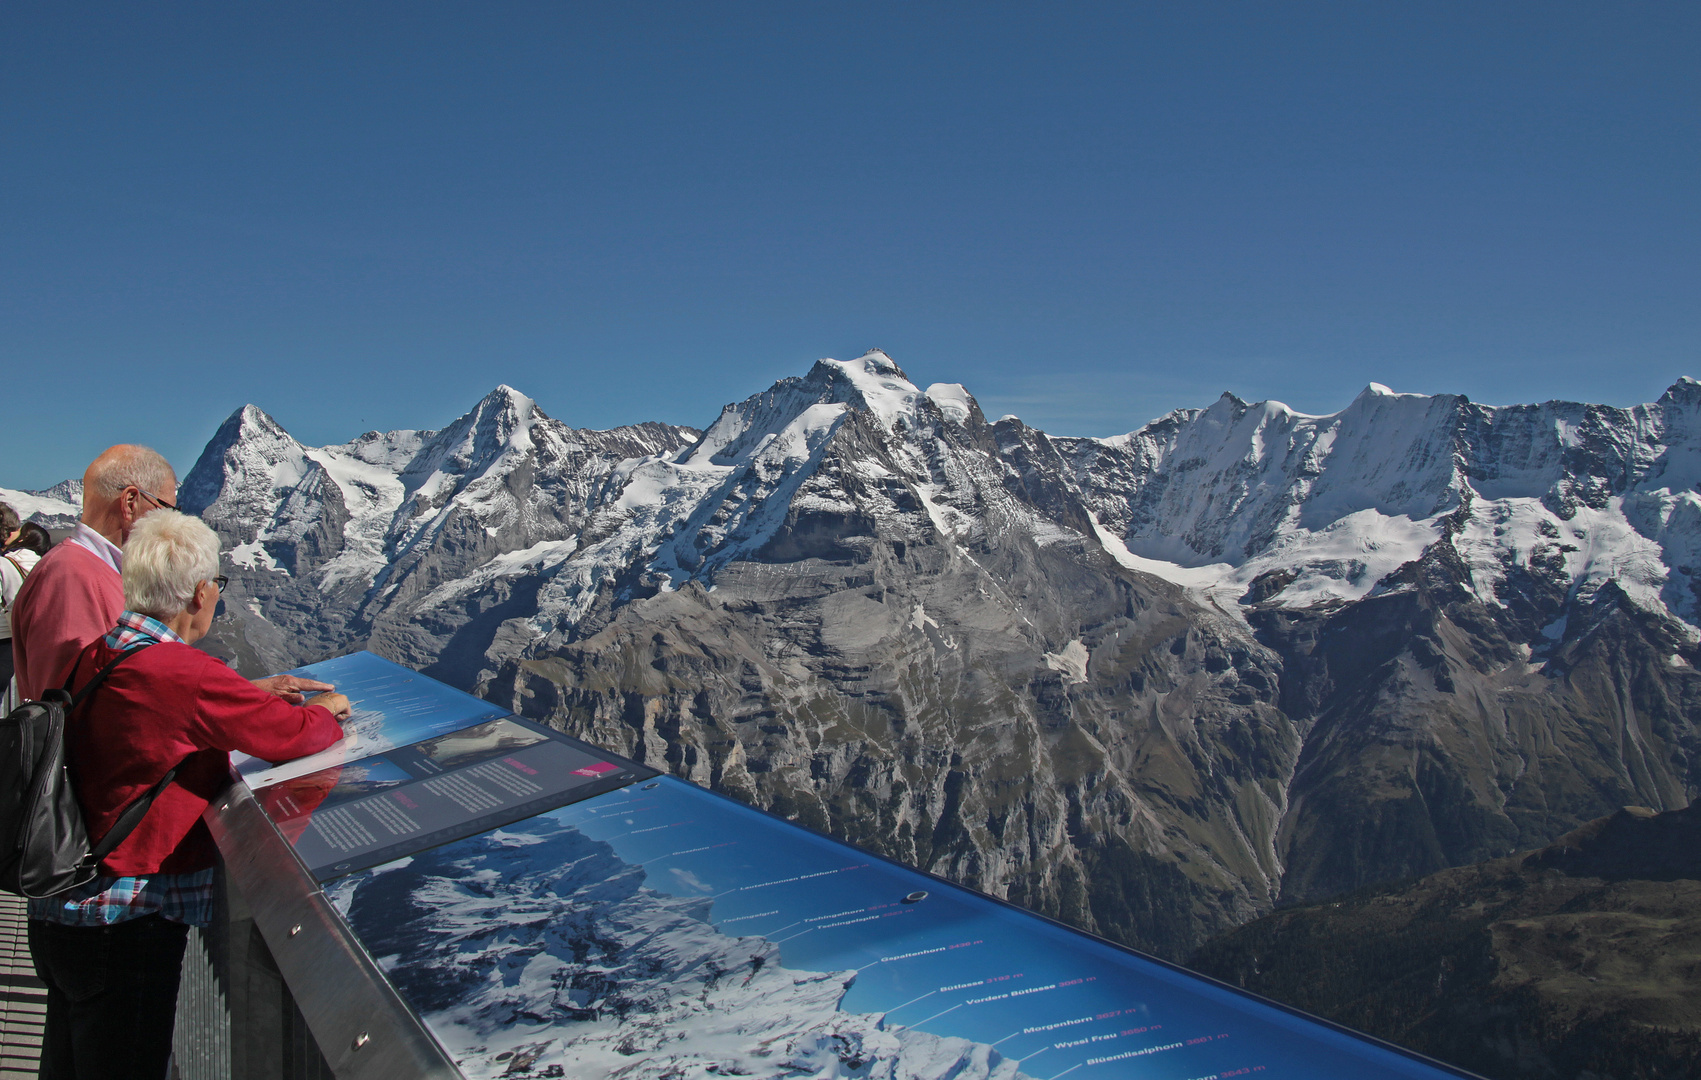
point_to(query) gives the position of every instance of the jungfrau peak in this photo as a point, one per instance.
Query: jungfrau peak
(1150, 684)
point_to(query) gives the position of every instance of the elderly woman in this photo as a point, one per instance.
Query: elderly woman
(110, 951)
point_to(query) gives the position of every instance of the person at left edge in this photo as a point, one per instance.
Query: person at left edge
(111, 951)
(14, 568)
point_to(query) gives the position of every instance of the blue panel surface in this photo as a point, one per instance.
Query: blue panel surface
(663, 931)
(393, 707)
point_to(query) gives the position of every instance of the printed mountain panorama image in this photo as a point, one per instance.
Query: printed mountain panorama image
(1156, 686)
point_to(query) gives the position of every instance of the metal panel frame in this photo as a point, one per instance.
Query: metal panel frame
(363, 1027)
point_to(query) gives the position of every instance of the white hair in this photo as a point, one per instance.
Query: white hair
(166, 557)
(132, 466)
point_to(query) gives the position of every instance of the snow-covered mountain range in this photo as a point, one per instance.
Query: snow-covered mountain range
(1149, 683)
(1324, 507)
(58, 507)
(1313, 508)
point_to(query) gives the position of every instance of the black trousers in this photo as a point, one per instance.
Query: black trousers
(111, 997)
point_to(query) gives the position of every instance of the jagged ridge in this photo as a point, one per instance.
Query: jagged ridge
(1151, 684)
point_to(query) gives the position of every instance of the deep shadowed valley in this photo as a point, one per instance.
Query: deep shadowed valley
(1582, 958)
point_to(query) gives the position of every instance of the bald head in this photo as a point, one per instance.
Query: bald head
(125, 466)
(123, 484)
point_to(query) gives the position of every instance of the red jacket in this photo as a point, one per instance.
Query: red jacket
(70, 599)
(155, 709)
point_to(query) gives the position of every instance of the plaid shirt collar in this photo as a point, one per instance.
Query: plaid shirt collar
(134, 628)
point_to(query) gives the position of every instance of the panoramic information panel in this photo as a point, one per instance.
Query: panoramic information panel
(659, 930)
(381, 800)
(552, 910)
(393, 706)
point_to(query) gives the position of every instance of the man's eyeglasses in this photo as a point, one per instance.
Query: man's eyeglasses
(221, 581)
(155, 499)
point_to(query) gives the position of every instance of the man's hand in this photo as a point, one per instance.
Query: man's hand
(292, 688)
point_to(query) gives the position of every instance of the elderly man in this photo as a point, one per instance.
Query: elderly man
(75, 594)
(110, 951)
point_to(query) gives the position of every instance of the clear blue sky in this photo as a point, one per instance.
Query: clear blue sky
(366, 215)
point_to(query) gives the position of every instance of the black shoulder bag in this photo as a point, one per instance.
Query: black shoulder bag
(44, 843)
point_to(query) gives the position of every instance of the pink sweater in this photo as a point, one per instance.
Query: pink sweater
(70, 599)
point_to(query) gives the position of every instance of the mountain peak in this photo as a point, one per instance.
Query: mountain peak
(873, 364)
(499, 424)
(877, 360)
(878, 384)
(251, 420)
(506, 397)
(248, 452)
(1685, 390)
(253, 428)
(955, 401)
(1376, 396)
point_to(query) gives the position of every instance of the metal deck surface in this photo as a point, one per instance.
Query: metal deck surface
(23, 999)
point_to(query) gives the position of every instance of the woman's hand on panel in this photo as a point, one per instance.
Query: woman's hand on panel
(338, 704)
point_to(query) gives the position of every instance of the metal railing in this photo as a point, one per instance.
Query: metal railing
(277, 978)
(200, 1045)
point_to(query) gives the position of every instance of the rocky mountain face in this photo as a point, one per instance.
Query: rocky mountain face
(1152, 685)
(1578, 960)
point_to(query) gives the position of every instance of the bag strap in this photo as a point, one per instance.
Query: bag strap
(100, 676)
(22, 574)
(133, 815)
